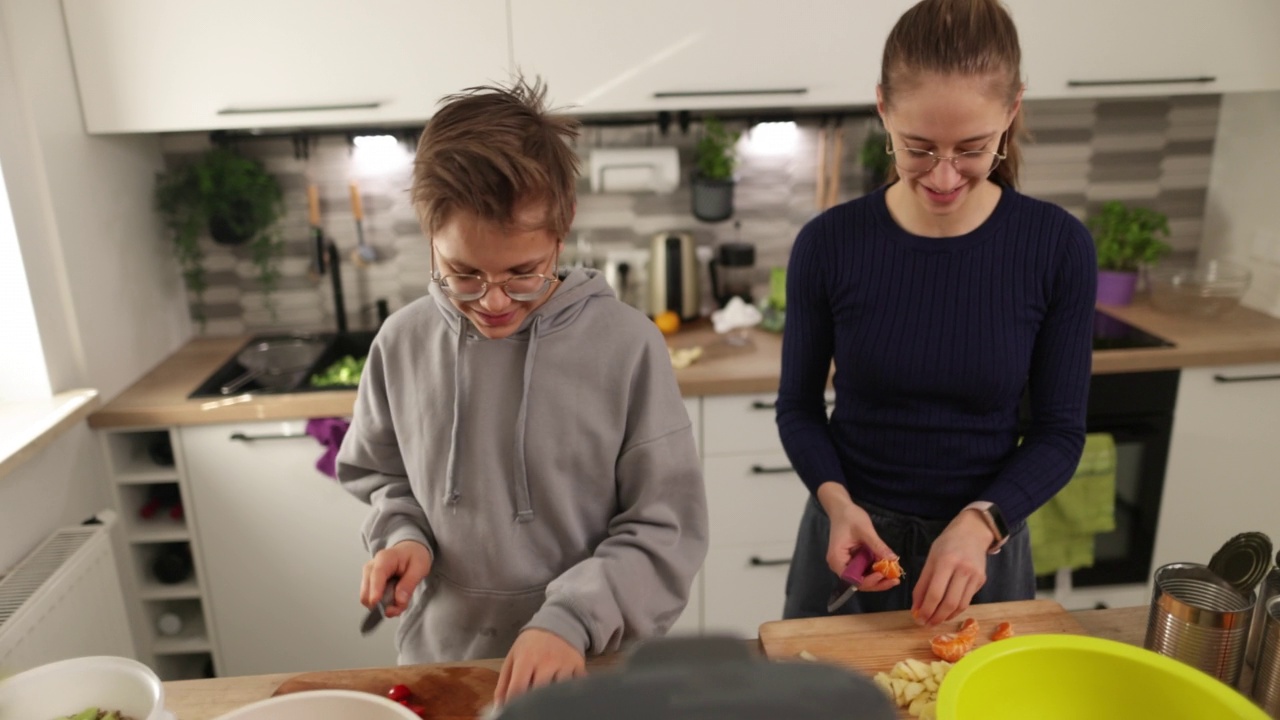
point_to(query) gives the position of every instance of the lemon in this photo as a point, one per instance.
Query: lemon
(668, 322)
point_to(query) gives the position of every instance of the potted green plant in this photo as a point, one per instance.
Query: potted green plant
(1127, 238)
(713, 182)
(874, 159)
(236, 201)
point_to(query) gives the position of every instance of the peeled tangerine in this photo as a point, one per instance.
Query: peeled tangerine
(888, 567)
(968, 629)
(1003, 630)
(951, 646)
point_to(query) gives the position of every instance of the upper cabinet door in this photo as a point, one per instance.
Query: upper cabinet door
(1096, 48)
(159, 65)
(604, 57)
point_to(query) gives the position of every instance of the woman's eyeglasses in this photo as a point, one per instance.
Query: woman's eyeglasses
(974, 163)
(468, 287)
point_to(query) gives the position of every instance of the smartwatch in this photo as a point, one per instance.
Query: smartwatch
(991, 515)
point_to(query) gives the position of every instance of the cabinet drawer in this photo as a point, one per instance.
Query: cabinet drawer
(740, 593)
(734, 424)
(753, 498)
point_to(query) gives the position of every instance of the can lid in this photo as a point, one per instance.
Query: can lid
(1243, 560)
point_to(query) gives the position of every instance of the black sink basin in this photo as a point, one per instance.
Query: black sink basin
(337, 346)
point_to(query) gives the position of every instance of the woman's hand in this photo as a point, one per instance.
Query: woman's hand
(851, 529)
(537, 658)
(408, 560)
(955, 571)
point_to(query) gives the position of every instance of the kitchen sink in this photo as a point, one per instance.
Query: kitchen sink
(336, 346)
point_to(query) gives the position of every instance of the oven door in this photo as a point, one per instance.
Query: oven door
(1137, 410)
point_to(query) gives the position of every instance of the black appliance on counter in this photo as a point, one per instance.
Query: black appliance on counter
(1136, 408)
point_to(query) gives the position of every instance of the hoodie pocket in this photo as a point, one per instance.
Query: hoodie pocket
(457, 623)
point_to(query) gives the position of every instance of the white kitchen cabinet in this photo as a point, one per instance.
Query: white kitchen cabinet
(1224, 462)
(710, 54)
(1098, 48)
(755, 501)
(281, 550)
(157, 65)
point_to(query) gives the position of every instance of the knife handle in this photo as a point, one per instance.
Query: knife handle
(356, 208)
(313, 205)
(856, 570)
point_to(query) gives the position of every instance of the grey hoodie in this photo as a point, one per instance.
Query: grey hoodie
(553, 474)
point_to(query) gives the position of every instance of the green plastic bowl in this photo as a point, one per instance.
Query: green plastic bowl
(1070, 677)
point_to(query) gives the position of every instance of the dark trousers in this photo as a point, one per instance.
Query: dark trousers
(810, 583)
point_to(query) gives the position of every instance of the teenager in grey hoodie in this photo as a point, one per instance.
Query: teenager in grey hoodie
(519, 433)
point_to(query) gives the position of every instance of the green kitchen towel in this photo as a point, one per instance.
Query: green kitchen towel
(1062, 531)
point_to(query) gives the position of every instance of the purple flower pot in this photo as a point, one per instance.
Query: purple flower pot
(1116, 288)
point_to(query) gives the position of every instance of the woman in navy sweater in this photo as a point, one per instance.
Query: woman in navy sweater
(940, 298)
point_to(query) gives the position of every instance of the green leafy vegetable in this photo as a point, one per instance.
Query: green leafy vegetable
(345, 372)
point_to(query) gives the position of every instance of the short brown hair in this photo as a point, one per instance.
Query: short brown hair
(490, 148)
(965, 37)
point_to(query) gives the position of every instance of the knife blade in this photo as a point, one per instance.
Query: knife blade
(851, 578)
(379, 611)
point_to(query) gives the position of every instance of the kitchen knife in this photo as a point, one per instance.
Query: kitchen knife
(852, 576)
(379, 611)
(317, 234)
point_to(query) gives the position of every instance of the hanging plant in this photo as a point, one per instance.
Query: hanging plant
(237, 201)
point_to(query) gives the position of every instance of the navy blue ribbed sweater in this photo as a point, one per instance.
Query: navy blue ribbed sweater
(934, 341)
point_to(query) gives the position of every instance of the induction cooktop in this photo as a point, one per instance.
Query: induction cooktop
(1112, 334)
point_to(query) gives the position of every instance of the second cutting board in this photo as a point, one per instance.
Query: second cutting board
(874, 642)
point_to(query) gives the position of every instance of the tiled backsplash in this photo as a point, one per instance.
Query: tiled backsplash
(1155, 152)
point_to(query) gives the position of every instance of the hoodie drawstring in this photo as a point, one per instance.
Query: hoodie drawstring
(520, 474)
(451, 493)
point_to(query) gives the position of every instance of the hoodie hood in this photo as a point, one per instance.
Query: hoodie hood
(569, 298)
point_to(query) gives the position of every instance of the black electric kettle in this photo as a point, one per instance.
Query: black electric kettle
(673, 275)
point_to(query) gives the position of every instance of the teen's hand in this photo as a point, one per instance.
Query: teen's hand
(955, 570)
(537, 658)
(851, 529)
(408, 560)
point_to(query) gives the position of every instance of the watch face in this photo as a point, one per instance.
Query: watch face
(998, 518)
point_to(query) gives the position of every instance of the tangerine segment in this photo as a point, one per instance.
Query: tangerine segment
(950, 646)
(968, 629)
(888, 567)
(1003, 630)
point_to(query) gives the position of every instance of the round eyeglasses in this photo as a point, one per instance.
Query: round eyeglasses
(468, 287)
(974, 163)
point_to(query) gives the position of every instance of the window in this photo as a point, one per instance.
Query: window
(23, 375)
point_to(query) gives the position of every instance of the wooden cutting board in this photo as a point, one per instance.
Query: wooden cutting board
(874, 642)
(448, 693)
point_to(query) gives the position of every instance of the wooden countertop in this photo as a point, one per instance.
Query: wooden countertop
(207, 699)
(159, 398)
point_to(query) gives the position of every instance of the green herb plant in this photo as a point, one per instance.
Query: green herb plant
(872, 156)
(1128, 237)
(716, 154)
(234, 196)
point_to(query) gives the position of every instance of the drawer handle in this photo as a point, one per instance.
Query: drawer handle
(776, 470)
(722, 93)
(241, 437)
(763, 405)
(1141, 81)
(757, 561)
(1245, 378)
(300, 108)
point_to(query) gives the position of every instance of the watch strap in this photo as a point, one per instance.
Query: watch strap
(991, 515)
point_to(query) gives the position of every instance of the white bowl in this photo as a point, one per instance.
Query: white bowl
(68, 687)
(323, 705)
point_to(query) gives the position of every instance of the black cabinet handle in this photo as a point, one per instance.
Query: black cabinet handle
(300, 108)
(1245, 378)
(722, 93)
(241, 437)
(1141, 81)
(762, 405)
(757, 561)
(762, 470)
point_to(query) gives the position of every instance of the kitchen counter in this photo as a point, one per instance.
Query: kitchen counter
(207, 699)
(159, 398)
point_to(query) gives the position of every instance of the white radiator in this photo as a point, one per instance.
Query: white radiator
(64, 600)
